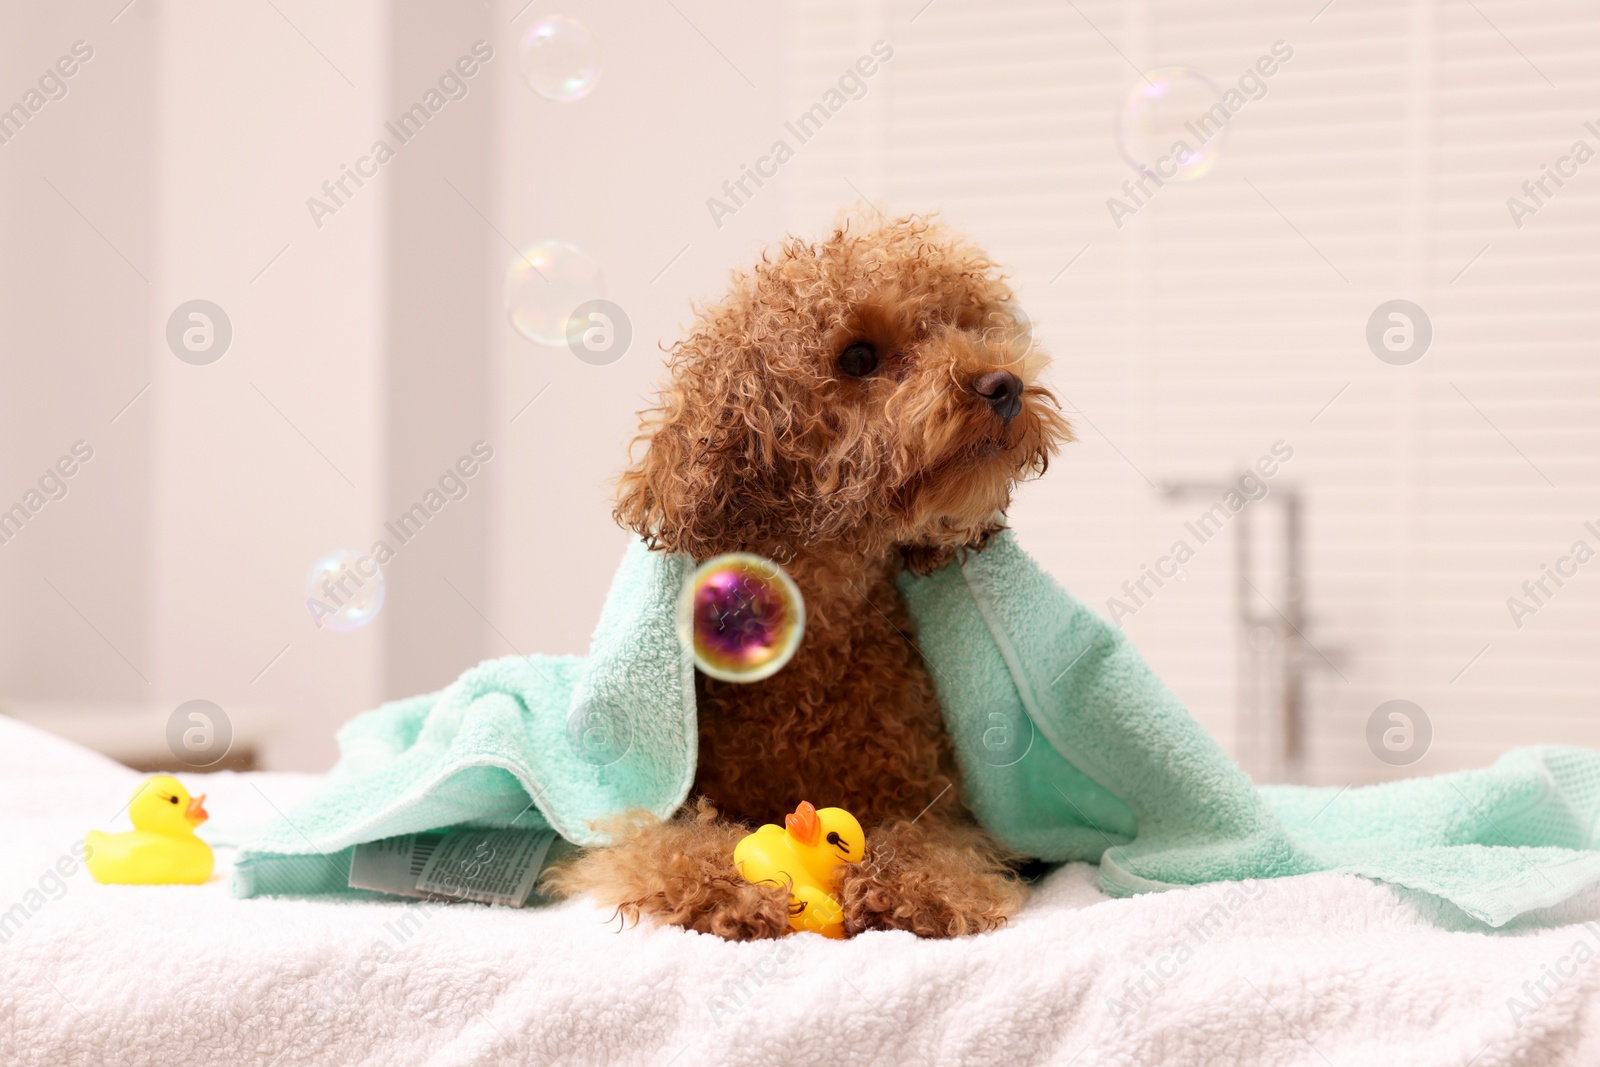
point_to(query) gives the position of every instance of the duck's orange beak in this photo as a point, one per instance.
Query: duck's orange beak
(803, 825)
(196, 811)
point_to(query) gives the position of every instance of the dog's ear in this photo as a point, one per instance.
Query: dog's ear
(668, 496)
(711, 478)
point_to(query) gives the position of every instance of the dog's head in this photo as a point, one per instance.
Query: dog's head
(875, 391)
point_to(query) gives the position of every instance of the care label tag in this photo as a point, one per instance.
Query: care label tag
(491, 866)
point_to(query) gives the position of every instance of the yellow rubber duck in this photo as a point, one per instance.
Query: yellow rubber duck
(163, 848)
(805, 853)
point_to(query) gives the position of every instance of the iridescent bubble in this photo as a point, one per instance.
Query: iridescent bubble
(560, 59)
(1173, 124)
(344, 590)
(545, 284)
(742, 616)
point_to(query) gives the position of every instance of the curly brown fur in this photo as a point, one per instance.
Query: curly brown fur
(679, 872)
(768, 440)
(935, 881)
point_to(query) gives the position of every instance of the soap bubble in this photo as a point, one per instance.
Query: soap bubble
(560, 59)
(344, 590)
(599, 332)
(545, 284)
(1173, 124)
(742, 616)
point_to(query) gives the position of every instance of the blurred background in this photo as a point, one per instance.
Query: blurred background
(1333, 366)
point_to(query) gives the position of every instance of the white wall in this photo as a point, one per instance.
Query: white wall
(190, 142)
(624, 173)
(73, 304)
(244, 501)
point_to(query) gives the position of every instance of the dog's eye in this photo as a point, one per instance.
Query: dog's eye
(858, 360)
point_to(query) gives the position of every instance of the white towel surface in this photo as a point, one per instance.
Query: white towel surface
(1325, 969)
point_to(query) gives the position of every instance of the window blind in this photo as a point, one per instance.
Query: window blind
(1230, 313)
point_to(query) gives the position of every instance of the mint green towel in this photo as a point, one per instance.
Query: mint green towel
(1071, 749)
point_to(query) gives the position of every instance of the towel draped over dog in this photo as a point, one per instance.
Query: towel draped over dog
(1070, 749)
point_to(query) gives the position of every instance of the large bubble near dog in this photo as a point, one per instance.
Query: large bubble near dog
(544, 284)
(1168, 126)
(742, 617)
(560, 59)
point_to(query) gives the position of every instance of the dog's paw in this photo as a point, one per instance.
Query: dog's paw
(679, 873)
(731, 908)
(929, 885)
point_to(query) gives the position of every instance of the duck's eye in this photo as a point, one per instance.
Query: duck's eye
(836, 841)
(858, 360)
(173, 799)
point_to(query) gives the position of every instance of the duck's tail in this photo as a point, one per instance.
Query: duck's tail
(92, 842)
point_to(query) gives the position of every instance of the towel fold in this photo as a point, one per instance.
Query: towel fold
(1070, 747)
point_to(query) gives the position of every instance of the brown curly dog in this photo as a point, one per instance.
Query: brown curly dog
(852, 408)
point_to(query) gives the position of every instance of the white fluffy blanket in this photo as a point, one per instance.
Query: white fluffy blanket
(1325, 969)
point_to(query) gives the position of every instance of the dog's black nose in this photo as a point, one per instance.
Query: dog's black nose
(1003, 391)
